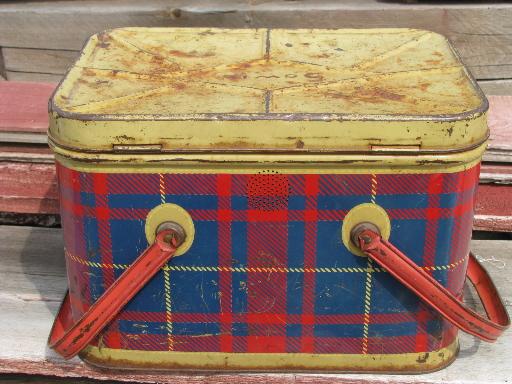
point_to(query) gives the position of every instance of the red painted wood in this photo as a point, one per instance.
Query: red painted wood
(493, 209)
(28, 188)
(24, 106)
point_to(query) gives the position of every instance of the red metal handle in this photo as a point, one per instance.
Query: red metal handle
(433, 293)
(68, 338)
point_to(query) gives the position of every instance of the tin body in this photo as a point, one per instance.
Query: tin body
(273, 152)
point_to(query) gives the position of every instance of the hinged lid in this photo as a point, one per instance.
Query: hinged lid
(171, 89)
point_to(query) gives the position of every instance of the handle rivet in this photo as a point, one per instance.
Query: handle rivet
(358, 229)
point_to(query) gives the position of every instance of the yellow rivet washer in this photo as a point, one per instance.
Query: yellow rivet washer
(170, 213)
(367, 212)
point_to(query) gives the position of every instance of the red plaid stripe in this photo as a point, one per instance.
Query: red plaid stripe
(311, 189)
(224, 186)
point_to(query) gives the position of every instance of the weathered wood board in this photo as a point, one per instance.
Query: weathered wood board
(481, 32)
(47, 61)
(24, 111)
(32, 283)
(28, 188)
(500, 125)
(496, 87)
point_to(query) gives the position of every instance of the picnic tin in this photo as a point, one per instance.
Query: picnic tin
(266, 146)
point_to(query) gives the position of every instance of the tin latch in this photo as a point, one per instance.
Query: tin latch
(395, 148)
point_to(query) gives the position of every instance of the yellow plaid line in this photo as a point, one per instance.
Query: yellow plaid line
(368, 281)
(256, 269)
(167, 280)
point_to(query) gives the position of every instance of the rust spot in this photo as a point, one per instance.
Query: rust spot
(368, 95)
(383, 94)
(433, 62)
(104, 40)
(179, 86)
(424, 86)
(236, 76)
(88, 72)
(422, 359)
(206, 33)
(191, 54)
(123, 137)
(322, 56)
(299, 144)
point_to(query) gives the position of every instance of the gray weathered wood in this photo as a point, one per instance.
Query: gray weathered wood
(32, 282)
(37, 77)
(496, 87)
(481, 32)
(38, 60)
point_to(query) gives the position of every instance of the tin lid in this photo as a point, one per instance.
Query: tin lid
(196, 89)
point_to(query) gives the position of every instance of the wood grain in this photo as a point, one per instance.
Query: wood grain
(33, 77)
(28, 188)
(24, 107)
(38, 60)
(493, 207)
(500, 122)
(496, 87)
(32, 283)
(482, 33)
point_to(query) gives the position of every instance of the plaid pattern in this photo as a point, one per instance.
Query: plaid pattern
(267, 271)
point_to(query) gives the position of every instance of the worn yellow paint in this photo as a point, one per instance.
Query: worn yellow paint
(174, 89)
(170, 212)
(208, 268)
(366, 212)
(403, 362)
(283, 163)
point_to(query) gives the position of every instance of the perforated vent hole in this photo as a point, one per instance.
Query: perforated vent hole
(268, 191)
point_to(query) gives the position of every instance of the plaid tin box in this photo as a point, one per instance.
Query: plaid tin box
(268, 145)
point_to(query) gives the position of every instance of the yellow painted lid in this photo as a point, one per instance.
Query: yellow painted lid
(197, 89)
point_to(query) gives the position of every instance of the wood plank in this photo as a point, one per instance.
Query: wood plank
(26, 153)
(481, 32)
(500, 123)
(24, 107)
(38, 60)
(32, 283)
(496, 87)
(33, 77)
(2, 66)
(495, 174)
(28, 188)
(493, 208)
